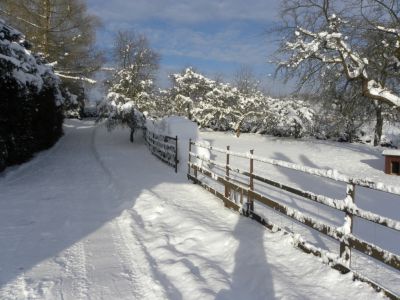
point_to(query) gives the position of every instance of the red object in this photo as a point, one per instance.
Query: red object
(392, 162)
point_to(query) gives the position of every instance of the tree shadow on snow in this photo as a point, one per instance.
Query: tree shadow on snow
(49, 208)
(378, 163)
(251, 277)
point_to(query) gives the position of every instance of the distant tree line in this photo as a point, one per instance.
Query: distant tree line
(336, 106)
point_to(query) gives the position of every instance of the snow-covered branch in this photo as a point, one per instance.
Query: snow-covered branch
(79, 78)
(330, 47)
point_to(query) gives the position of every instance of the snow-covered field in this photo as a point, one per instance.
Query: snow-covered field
(96, 217)
(354, 160)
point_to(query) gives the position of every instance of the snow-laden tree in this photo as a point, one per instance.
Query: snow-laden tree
(210, 103)
(288, 117)
(220, 106)
(251, 109)
(140, 92)
(332, 37)
(30, 100)
(218, 109)
(188, 89)
(132, 88)
(119, 110)
(137, 66)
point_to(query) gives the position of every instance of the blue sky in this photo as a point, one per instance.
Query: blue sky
(215, 36)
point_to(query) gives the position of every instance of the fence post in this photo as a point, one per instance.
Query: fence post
(176, 154)
(190, 150)
(195, 166)
(227, 191)
(250, 201)
(345, 250)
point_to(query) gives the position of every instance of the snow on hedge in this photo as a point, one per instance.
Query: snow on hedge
(29, 70)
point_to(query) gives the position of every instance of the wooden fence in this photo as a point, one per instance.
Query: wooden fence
(164, 147)
(246, 195)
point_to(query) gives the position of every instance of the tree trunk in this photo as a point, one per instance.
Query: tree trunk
(238, 126)
(132, 135)
(47, 26)
(378, 125)
(189, 112)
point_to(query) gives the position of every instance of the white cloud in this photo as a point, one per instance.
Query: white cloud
(226, 45)
(214, 35)
(185, 11)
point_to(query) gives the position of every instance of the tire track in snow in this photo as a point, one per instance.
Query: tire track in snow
(134, 263)
(129, 250)
(73, 262)
(24, 287)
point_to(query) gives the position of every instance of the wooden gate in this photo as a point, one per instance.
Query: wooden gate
(164, 147)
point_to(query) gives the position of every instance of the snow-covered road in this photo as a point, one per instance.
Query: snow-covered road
(96, 217)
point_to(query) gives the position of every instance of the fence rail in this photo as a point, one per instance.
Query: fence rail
(343, 234)
(163, 147)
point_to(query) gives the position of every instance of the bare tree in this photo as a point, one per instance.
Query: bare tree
(245, 80)
(62, 30)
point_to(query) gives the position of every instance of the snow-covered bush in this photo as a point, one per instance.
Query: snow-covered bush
(30, 100)
(287, 117)
(188, 89)
(119, 110)
(220, 106)
(211, 104)
(342, 118)
(218, 109)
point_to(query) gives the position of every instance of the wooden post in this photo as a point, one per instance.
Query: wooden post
(251, 185)
(190, 150)
(195, 170)
(176, 154)
(227, 191)
(345, 250)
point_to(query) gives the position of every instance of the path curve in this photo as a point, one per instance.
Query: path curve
(97, 217)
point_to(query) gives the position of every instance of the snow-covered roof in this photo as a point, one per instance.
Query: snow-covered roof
(391, 152)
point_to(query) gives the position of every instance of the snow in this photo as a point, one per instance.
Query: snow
(354, 160)
(27, 68)
(98, 217)
(377, 90)
(184, 129)
(180, 126)
(391, 152)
